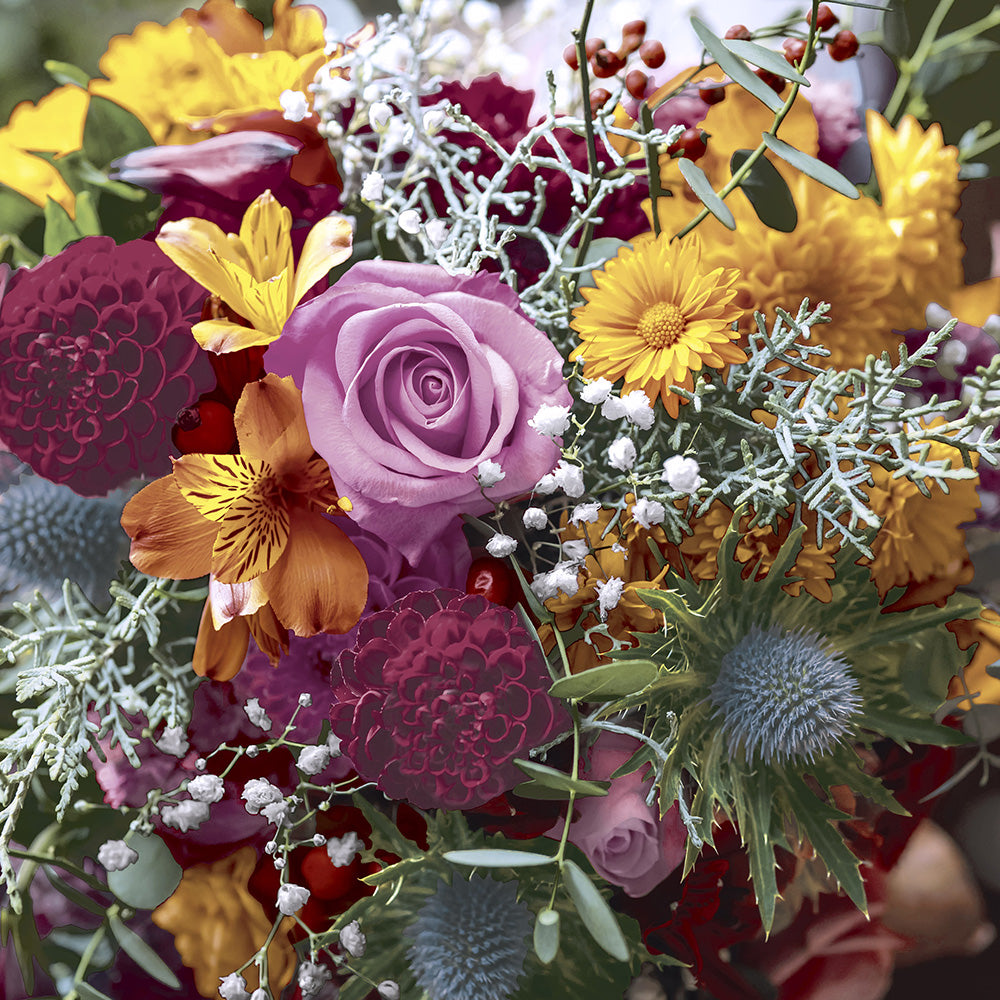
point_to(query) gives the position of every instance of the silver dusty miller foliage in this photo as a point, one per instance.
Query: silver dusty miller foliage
(78, 675)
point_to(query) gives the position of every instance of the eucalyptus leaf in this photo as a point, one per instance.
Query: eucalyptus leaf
(766, 191)
(87, 992)
(735, 68)
(66, 73)
(701, 186)
(595, 913)
(546, 937)
(811, 167)
(773, 62)
(488, 857)
(150, 879)
(533, 790)
(551, 778)
(142, 954)
(60, 229)
(612, 680)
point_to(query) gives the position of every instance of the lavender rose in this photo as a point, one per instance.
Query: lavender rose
(410, 378)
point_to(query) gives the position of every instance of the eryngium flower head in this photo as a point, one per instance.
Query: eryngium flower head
(438, 697)
(783, 695)
(96, 359)
(48, 534)
(470, 940)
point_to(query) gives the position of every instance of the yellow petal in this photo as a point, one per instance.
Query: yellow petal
(266, 304)
(266, 234)
(169, 537)
(320, 584)
(327, 245)
(251, 538)
(222, 337)
(974, 304)
(213, 483)
(219, 653)
(198, 248)
(271, 424)
(53, 125)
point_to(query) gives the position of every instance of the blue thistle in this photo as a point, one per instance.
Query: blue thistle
(784, 695)
(470, 940)
(48, 533)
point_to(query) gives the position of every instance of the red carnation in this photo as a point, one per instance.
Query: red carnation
(438, 697)
(96, 359)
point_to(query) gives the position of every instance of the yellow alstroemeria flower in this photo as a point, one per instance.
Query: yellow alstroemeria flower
(254, 271)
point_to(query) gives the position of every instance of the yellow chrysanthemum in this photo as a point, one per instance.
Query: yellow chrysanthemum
(217, 925)
(841, 252)
(921, 540)
(656, 316)
(918, 177)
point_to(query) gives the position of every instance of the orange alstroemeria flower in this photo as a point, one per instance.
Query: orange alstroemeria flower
(254, 521)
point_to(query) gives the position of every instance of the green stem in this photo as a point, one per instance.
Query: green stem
(908, 68)
(580, 37)
(970, 31)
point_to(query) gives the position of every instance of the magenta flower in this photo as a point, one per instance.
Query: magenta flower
(410, 378)
(96, 359)
(439, 696)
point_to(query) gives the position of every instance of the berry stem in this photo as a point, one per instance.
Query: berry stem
(908, 68)
(579, 36)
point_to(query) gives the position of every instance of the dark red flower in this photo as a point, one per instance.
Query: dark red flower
(96, 359)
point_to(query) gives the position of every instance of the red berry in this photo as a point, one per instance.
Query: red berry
(606, 63)
(634, 28)
(635, 83)
(570, 58)
(794, 49)
(593, 46)
(324, 879)
(598, 98)
(651, 52)
(493, 579)
(825, 18)
(712, 93)
(740, 31)
(629, 44)
(690, 144)
(774, 81)
(205, 428)
(843, 46)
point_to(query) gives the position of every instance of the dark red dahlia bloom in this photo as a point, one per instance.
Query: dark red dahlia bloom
(438, 697)
(96, 359)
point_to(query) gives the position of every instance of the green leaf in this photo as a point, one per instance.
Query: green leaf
(756, 831)
(595, 913)
(73, 894)
(735, 68)
(533, 790)
(613, 680)
(546, 939)
(142, 954)
(87, 992)
(151, 879)
(773, 62)
(811, 167)
(60, 229)
(767, 191)
(551, 778)
(905, 730)
(699, 183)
(110, 131)
(488, 857)
(64, 72)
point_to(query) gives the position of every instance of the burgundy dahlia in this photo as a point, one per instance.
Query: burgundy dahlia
(96, 358)
(439, 696)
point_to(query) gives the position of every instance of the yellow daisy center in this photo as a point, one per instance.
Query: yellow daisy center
(661, 325)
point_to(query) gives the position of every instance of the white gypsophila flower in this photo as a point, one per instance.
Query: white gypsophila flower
(186, 815)
(437, 232)
(305, 699)
(621, 454)
(334, 91)
(569, 478)
(318, 840)
(312, 978)
(409, 221)
(609, 593)
(259, 994)
(648, 512)
(585, 513)
(638, 409)
(388, 989)
(550, 420)
(379, 115)
(312, 760)
(546, 485)
(257, 715)
(575, 550)
(275, 812)
(489, 474)
(259, 792)
(233, 987)
(500, 546)
(342, 850)
(173, 741)
(596, 392)
(562, 577)
(294, 105)
(291, 898)
(353, 939)
(333, 742)
(206, 788)
(116, 855)
(373, 187)
(535, 518)
(481, 15)
(433, 120)
(681, 474)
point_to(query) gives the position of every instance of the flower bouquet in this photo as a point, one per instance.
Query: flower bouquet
(465, 542)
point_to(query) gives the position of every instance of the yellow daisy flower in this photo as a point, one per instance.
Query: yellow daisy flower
(918, 177)
(657, 316)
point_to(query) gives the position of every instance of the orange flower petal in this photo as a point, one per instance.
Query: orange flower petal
(269, 634)
(169, 537)
(271, 424)
(251, 538)
(219, 653)
(320, 584)
(212, 483)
